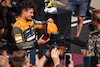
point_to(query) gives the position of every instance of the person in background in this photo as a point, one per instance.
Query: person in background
(3, 50)
(93, 46)
(82, 5)
(4, 62)
(20, 59)
(6, 18)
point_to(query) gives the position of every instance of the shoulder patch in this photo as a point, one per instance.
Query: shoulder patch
(18, 38)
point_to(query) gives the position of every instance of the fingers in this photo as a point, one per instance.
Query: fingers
(71, 61)
(98, 65)
(36, 56)
(55, 51)
(44, 40)
(52, 51)
(55, 56)
(47, 53)
(58, 52)
(50, 20)
(42, 36)
(47, 40)
(86, 54)
(83, 51)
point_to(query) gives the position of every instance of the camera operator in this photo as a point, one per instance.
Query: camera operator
(93, 46)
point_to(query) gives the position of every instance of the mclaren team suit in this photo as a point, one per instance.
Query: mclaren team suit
(24, 33)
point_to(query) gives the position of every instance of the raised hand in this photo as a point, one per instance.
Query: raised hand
(55, 56)
(42, 41)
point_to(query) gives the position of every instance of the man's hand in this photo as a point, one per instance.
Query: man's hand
(40, 62)
(2, 31)
(85, 53)
(71, 63)
(37, 62)
(55, 56)
(50, 20)
(42, 41)
(47, 53)
(98, 65)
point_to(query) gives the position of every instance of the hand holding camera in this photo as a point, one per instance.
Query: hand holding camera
(68, 59)
(55, 57)
(42, 41)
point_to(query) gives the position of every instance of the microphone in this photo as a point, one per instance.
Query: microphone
(77, 41)
(65, 39)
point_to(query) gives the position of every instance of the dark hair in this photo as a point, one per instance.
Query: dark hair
(3, 48)
(26, 5)
(61, 65)
(49, 63)
(79, 65)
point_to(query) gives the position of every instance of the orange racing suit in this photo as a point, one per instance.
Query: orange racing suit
(24, 33)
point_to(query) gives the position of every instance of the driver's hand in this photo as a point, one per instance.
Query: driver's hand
(42, 41)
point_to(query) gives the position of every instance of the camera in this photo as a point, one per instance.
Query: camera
(55, 41)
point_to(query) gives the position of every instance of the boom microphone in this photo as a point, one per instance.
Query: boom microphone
(77, 41)
(65, 39)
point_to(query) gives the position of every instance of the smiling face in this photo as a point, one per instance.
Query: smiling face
(27, 14)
